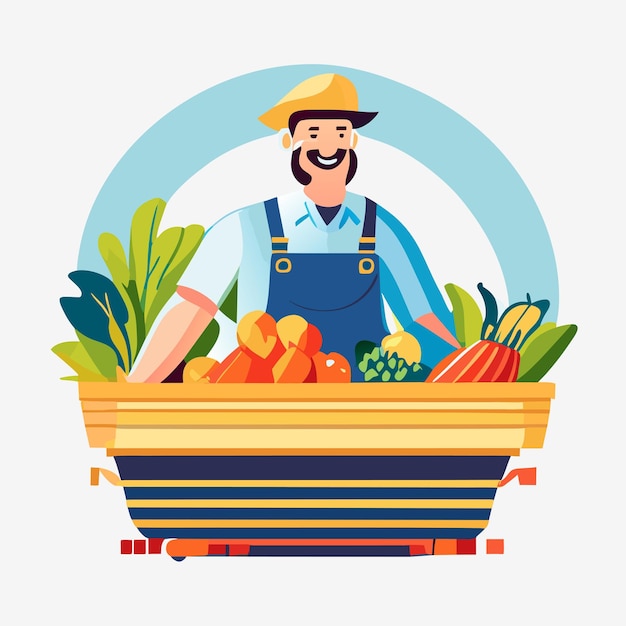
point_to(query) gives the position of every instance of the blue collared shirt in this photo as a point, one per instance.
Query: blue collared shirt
(238, 246)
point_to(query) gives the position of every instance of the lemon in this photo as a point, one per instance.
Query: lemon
(404, 345)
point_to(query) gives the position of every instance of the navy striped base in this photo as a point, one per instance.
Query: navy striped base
(311, 467)
(457, 509)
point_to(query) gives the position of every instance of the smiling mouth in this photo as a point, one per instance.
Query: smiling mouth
(326, 163)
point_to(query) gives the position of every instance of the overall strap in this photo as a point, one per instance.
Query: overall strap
(367, 242)
(279, 241)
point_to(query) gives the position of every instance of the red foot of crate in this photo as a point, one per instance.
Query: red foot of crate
(494, 546)
(138, 546)
(455, 546)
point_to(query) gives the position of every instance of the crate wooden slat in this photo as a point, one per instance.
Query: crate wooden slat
(344, 416)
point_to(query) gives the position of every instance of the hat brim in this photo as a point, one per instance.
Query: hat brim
(357, 118)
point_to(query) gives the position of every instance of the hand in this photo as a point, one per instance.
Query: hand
(434, 325)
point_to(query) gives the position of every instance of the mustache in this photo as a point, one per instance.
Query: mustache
(304, 178)
(326, 163)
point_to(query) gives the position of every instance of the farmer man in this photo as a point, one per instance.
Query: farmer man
(322, 252)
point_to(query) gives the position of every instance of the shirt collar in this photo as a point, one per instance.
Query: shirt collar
(310, 212)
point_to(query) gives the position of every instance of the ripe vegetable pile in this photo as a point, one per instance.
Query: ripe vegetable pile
(283, 351)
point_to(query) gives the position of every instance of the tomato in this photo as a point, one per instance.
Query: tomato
(331, 368)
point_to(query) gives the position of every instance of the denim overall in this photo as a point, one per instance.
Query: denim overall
(337, 292)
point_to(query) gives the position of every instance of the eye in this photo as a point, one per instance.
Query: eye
(341, 134)
(313, 136)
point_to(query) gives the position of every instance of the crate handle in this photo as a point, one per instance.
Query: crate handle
(525, 476)
(112, 477)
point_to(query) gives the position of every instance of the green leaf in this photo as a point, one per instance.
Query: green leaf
(116, 332)
(74, 354)
(135, 315)
(205, 342)
(164, 252)
(101, 354)
(363, 349)
(542, 329)
(468, 318)
(156, 263)
(491, 312)
(173, 250)
(114, 256)
(543, 350)
(228, 303)
(99, 312)
(143, 233)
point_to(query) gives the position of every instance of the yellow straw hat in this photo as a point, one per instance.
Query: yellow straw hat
(325, 96)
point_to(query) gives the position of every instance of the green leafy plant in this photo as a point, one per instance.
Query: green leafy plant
(147, 278)
(468, 318)
(540, 345)
(112, 317)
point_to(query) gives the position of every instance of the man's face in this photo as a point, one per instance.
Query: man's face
(324, 145)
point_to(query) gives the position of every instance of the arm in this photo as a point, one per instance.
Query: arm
(411, 291)
(189, 311)
(168, 346)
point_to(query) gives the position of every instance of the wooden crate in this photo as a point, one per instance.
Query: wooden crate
(355, 467)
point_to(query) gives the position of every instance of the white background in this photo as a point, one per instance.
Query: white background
(83, 81)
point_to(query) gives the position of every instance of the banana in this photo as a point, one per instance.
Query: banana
(519, 321)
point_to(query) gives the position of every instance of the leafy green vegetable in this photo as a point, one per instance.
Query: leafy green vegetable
(77, 357)
(103, 356)
(156, 262)
(99, 313)
(173, 250)
(468, 318)
(542, 349)
(542, 329)
(380, 366)
(118, 313)
(114, 256)
(205, 342)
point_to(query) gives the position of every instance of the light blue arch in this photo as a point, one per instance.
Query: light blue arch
(225, 116)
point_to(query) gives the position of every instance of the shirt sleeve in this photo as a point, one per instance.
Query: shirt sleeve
(213, 267)
(406, 281)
